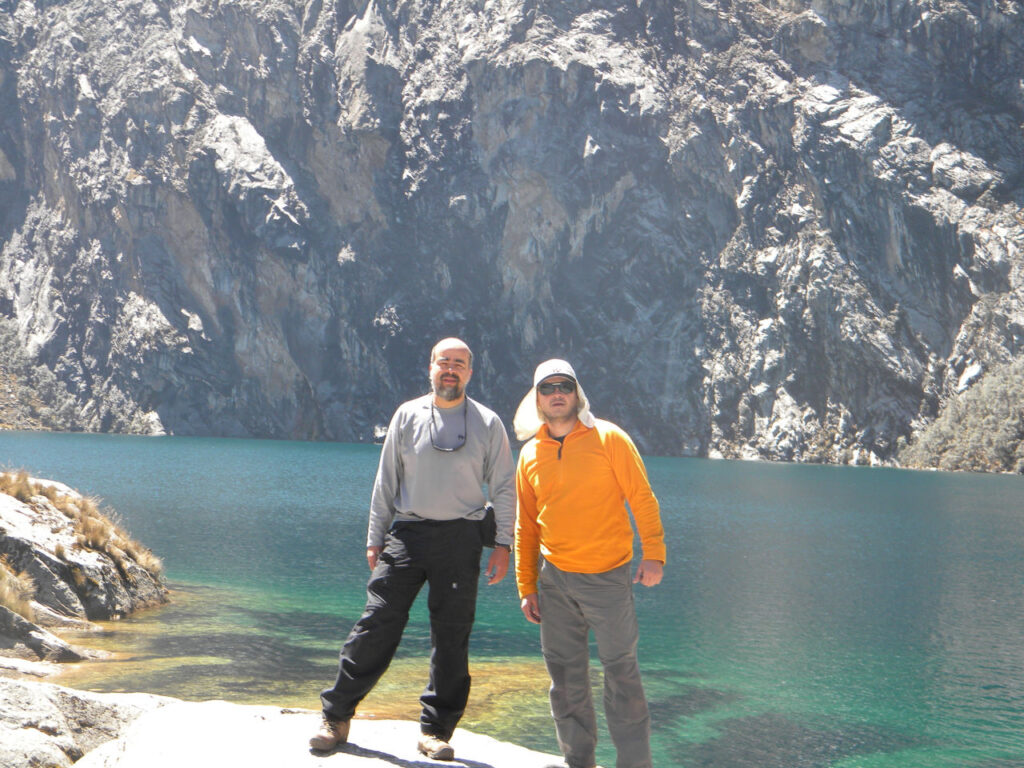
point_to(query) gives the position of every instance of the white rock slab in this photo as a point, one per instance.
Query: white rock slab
(214, 734)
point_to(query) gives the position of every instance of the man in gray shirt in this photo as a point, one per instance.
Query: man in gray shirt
(444, 454)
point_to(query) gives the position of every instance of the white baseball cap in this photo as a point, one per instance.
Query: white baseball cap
(528, 418)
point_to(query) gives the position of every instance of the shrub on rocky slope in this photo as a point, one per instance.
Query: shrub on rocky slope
(981, 430)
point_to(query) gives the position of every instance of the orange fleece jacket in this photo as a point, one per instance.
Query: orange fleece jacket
(571, 503)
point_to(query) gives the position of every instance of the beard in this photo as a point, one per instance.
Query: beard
(450, 392)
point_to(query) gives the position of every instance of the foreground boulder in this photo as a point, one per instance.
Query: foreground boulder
(47, 725)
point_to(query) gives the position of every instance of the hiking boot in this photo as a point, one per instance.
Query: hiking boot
(331, 734)
(435, 748)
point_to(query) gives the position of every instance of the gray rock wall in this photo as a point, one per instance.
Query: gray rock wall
(784, 230)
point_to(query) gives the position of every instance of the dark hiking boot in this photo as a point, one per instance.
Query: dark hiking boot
(331, 734)
(435, 748)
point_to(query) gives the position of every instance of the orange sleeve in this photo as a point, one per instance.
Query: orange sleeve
(636, 487)
(527, 538)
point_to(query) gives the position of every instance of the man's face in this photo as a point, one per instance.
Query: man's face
(558, 405)
(450, 372)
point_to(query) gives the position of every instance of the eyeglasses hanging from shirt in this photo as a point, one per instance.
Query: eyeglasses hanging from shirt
(447, 432)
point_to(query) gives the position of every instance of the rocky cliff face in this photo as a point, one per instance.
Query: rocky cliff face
(777, 229)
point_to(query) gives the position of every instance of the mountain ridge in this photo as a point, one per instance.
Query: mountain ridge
(759, 230)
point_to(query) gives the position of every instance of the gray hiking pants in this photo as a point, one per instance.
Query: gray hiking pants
(571, 604)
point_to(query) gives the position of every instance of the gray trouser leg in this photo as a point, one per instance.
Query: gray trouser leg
(563, 640)
(570, 605)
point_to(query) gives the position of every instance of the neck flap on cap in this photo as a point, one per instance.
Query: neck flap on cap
(528, 419)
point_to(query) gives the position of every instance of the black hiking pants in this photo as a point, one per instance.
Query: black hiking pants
(446, 556)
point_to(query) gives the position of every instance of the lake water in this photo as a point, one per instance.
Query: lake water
(810, 616)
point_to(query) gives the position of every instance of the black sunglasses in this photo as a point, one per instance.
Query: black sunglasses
(550, 387)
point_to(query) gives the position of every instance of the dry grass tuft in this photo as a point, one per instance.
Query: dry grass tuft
(95, 532)
(149, 562)
(94, 529)
(18, 485)
(16, 590)
(69, 508)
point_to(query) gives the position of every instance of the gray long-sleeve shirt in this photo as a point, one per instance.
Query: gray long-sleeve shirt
(417, 482)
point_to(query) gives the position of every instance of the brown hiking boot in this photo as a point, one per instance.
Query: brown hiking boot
(435, 748)
(331, 734)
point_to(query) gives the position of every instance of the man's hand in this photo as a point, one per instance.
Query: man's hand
(497, 564)
(372, 556)
(648, 573)
(531, 608)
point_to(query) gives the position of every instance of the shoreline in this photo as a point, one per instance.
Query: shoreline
(91, 728)
(226, 659)
(139, 730)
(68, 568)
(505, 690)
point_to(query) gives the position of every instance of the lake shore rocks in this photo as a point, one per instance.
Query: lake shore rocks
(21, 637)
(73, 563)
(77, 563)
(45, 724)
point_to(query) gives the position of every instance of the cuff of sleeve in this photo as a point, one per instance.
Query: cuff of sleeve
(656, 553)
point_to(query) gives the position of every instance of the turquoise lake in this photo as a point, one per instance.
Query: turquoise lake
(810, 616)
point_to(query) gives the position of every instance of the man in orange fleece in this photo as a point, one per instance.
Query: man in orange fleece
(573, 546)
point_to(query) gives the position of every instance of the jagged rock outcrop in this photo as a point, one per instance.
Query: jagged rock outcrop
(81, 566)
(765, 229)
(21, 637)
